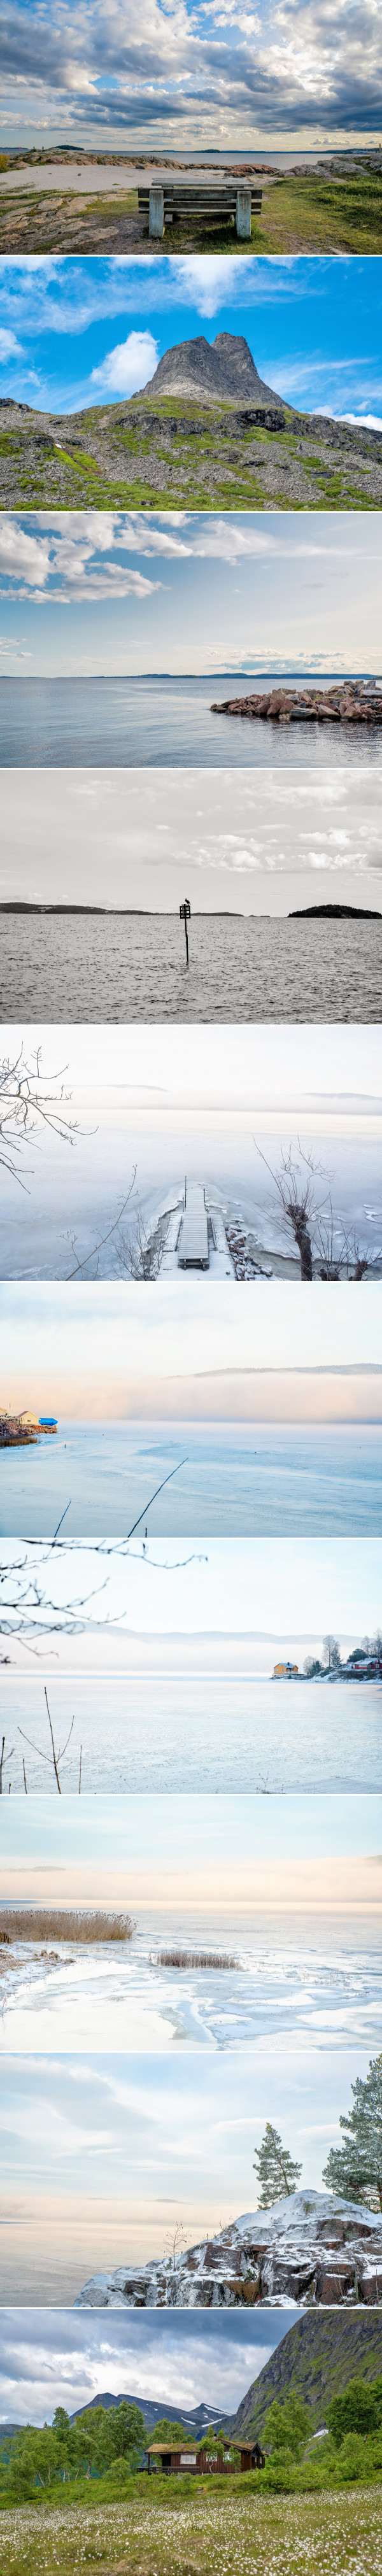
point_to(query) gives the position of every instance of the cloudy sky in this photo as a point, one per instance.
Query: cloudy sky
(85, 2143)
(258, 1857)
(158, 1068)
(251, 841)
(96, 592)
(174, 1362)
(66, 2360)
(218, 73)
(78, 332)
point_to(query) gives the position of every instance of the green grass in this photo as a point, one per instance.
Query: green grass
(297, 213)
(171, 2532)
(316, 215)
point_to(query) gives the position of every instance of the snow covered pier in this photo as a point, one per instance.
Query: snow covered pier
(193, 1253)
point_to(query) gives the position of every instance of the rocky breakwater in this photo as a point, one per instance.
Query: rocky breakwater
(347, 703)
(311, 2250)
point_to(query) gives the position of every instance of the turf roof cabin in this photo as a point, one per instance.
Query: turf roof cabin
(237, 2455)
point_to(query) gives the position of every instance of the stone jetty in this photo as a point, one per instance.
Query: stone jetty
(346, 702)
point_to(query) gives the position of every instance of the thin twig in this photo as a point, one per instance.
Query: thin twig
(105, 1238)
(59, 1523)
(166, 1480)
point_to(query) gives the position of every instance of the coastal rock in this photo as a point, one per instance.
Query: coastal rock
(310, 2250)
(345, 703)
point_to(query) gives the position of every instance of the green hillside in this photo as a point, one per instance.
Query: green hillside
(317, 2358)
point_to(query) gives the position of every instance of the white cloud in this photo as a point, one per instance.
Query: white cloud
(128, 367)
(363, 420)
(13, 647)
(219, 71)
(9, 347)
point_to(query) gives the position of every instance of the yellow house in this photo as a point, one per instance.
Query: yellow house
(285, 1672)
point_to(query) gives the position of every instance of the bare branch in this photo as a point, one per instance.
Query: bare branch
(24, 1106)
(80, 1266)
(140, 1253)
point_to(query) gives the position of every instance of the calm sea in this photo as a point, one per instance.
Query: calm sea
(118, 967)
(193, 1733)
(253, 1482)
(163, 720)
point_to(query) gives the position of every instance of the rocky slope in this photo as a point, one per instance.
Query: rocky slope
(316, 2359)
(312, 2249)
(206, 432)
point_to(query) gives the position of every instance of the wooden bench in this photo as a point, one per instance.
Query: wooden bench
(207, 202)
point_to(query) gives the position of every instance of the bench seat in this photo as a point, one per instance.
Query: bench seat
(209, 203)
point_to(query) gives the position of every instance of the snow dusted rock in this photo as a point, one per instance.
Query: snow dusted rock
(311, 2250)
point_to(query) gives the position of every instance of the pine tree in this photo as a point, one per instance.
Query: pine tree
(275, 2169)
(356, 2168)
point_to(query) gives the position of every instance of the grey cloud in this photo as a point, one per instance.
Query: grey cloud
(194, 70)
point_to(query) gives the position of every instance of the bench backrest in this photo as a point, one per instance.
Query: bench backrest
(199, 200)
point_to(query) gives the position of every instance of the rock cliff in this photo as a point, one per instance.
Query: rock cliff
(220, 370)
(312, 2249)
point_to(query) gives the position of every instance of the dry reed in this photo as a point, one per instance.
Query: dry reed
(36, 1923)
(193, 1959)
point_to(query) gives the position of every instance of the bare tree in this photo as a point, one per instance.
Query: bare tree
(331, 1262)
(81, 1265)
(331, 1649)
(295, 1185)
(319, 1237)
(24, 1105)
(138, 1253)
(357, 1263)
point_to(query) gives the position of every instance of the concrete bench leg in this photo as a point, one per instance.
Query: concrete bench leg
(156, 213)
(243, 214)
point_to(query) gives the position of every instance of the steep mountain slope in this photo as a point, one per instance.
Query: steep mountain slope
(317, 2358)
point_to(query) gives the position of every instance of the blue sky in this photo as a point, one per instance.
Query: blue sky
(211, 70)
(75, 332)
(101, 592)
(50, 2359)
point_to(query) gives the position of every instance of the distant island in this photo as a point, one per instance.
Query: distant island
(333, 912)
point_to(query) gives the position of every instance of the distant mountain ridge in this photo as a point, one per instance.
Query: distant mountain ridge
(221, 370)
(152, 2410)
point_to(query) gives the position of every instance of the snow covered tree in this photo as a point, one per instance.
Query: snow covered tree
(275, 2169)
(332, 1652)
(356, 2168)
